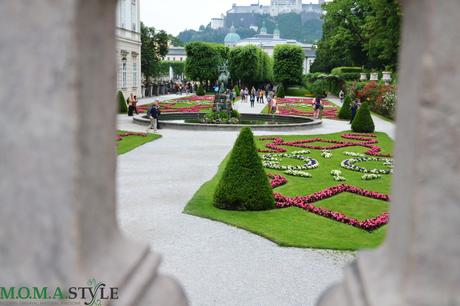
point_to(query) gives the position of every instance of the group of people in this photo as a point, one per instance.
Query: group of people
(132, 105)
(254, 95)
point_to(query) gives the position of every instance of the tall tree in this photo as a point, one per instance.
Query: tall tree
(359, 33)
(288, 64)
(203, 60)
(154, 48)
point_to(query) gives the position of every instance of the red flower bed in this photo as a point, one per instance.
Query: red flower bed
(119, 137)
(171, 107)
(365, 140)
(304, 202)
(277, 180)
(284, 107)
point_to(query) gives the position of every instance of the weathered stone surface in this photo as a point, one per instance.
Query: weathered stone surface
(58, 160)
(419, 262)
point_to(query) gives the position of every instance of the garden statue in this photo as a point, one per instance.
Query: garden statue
(221, 101)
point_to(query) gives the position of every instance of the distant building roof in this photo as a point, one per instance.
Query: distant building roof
(177, 51)
(232, 37)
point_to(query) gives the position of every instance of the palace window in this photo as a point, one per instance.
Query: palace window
(134, 72)
(124, 82)
(134, 15)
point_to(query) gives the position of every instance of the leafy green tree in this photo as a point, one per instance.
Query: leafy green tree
(345, 110)
(250, 65)
(203, 60)
(280, 93)
(154, 48)
(288, 64)
(244, 184)
(363, 122)
(359, 33)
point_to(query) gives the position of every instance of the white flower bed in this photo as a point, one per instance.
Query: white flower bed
(350, 165)
(337, 175)
(272, 161)
(297, 173)
(369, 177)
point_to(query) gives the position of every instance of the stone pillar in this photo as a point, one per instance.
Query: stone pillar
(419, 261)
(58, 160)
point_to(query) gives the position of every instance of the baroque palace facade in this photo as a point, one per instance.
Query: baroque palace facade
(128, 50)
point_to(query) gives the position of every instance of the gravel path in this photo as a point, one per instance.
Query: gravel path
(217, 264)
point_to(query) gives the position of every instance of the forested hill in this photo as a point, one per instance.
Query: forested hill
(305, 28)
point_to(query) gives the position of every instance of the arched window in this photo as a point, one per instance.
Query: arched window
(124, 70)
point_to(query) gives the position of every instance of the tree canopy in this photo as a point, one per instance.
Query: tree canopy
(250, 65)
(359, 33)
(288, 64)
(203, 60)
(154, 48)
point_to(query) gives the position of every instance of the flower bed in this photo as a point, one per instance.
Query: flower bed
(303, 107)
(305, 202)
(350, 165)
(192, 104)
(122, 135)
(369, 142)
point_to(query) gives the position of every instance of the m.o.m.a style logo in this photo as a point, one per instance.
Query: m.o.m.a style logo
(91, 295)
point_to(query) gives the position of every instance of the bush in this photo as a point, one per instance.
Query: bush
(244, 184)
(122, 106)
(363, 122)
(345, 110)
(237, 90)
(341, 70)
(288, 64)
(350, 76)
(280, 91)
(298, 92)
(200, 90)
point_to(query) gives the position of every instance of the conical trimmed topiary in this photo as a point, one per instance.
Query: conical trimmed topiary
(200, 90)
(363, 122)
(280, 92)
(345, 110)
(122, 106)
(244, 184)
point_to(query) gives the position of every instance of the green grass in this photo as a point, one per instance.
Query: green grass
(294, 227)
(132, 142)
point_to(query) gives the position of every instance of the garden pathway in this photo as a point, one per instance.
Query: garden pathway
(245, 107)
(216, 263)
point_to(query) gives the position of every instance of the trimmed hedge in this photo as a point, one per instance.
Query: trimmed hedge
(341, 70)
(298, 92)
(200, 90)
(280, 91)
(244, 184)
(122, 106)
(345, 110)
(363, 122)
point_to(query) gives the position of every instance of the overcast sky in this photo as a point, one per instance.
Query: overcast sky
(174, 16)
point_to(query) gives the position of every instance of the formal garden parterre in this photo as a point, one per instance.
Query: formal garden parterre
(128, 141)
(331, 191)
(189, 104)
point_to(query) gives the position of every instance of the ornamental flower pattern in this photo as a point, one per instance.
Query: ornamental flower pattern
(305, 202)
(303, 107)
(363, 140)
(120, 136)
(350, 165)
(197, 104)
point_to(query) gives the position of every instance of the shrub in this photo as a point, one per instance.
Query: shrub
(345, 110)
(288, 64)
(280, 91)
(237, 90)
(298, 92)
(244, 184)
(200, 90)
(363, 122)
(340, 70)
(122, 106)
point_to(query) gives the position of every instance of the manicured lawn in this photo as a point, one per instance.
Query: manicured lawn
(130, 143)
(299, 228)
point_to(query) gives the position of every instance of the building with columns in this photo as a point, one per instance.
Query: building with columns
(128, 36)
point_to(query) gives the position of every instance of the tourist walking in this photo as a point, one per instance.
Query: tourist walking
(253, 98)
(154, 114)
(246, 95)
(261, 96)
(354, 108)
(269, 102)
(131, 105)
(341, 96)
(317, 106)
(273, 106)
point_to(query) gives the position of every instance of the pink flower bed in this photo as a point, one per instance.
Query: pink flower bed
(305, 202)
(119, 137)
(284, 108)
(202, 103)
(365, 140)
(277, 180)
(195, 98)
